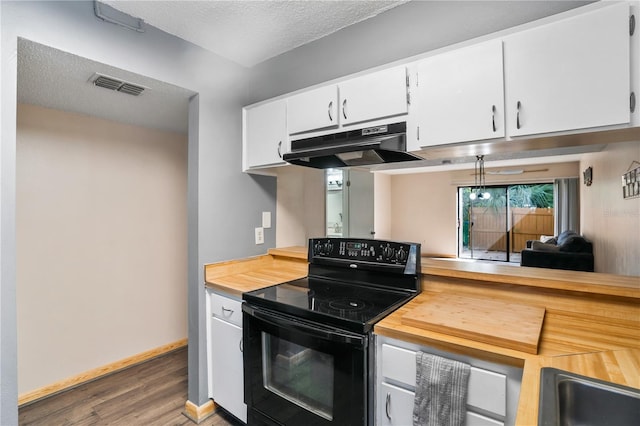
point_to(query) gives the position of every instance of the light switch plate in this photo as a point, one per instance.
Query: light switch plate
(259, 235)
(266, 219)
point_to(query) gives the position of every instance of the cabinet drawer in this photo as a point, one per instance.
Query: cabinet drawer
(487, 389)
(226, 309)
(399, 364)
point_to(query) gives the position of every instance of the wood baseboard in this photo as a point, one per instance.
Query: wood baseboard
(90, 375)
(199, 413)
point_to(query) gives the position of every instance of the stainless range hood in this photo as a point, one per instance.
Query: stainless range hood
(368, 146)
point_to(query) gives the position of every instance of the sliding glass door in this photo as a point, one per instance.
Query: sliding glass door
(484, 218)
(496, 224)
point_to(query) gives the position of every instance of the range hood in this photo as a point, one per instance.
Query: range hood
(363, 147)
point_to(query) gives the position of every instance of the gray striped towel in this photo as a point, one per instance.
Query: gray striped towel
(441, 391)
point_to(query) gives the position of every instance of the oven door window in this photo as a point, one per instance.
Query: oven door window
(299, 374)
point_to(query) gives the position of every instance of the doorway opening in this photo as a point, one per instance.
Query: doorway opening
(498, 226)
(349, 203)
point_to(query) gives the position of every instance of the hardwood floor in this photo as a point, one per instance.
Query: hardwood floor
(150, 393)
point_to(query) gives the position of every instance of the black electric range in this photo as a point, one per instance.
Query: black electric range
(351, 284)
(308, 353)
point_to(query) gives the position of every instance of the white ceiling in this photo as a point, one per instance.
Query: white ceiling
(249, 32)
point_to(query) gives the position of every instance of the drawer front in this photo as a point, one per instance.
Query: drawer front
(399, 364)
(487, 390)
(395, 406)
(226, 309)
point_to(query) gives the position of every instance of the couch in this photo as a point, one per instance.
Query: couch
(566, 251)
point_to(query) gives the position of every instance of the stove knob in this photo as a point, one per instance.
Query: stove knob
(317, 248)
(328, 248)
(387, 252)
(401, 255)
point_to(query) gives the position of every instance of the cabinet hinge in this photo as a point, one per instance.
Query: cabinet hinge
(408, 81)
(632, 24)
(632, 102)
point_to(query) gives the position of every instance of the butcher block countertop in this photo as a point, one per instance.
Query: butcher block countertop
(591, 322)
(238, 276)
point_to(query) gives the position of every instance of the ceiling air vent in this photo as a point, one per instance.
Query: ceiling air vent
(117, 85)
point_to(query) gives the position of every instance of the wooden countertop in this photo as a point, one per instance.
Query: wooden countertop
(586, 282)
(591, 326)
(238, 276)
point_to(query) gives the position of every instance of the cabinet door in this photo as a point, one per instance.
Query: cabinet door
(570, 74)
(460, 95)
(313, 110)
(227, 375)
(265, 135)
(395, 406)
(377, 95)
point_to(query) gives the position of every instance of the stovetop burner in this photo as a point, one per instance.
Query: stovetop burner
(350, 305)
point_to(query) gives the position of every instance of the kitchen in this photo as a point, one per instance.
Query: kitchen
(207, 178)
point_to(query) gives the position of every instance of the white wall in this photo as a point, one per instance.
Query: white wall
(301, 205)
(609, 221)
(101, 242)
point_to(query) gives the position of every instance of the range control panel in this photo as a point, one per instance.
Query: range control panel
(374, 251)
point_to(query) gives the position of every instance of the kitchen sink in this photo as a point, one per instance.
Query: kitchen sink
(568, 399)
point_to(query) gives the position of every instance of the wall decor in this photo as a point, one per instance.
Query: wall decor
(631, 181)
(588, 176)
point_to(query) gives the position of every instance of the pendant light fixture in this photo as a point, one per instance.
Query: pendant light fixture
(479, 191)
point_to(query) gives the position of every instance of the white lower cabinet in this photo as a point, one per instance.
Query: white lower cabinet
(224, 353)
(398, 405)
(492, 395)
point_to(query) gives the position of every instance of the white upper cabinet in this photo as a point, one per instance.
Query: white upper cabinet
(378, 95)
(374, 96)
(570, 74)
(316, 109)
(459, 96)
(264, 135)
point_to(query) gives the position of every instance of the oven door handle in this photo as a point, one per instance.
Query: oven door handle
(314, 330)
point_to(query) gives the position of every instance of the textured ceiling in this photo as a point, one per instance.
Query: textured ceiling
(55, 79)
(249, 32)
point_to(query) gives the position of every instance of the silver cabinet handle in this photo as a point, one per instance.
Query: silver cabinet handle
(344, 109)
(518, 106)
(388, 406)
(280, 149)
(225, 310)
(240, 346)
(493, 117)
(330, 111)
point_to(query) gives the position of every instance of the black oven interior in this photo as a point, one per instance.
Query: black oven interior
(307, 343)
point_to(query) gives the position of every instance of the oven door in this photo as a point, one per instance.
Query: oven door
(301, 373)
